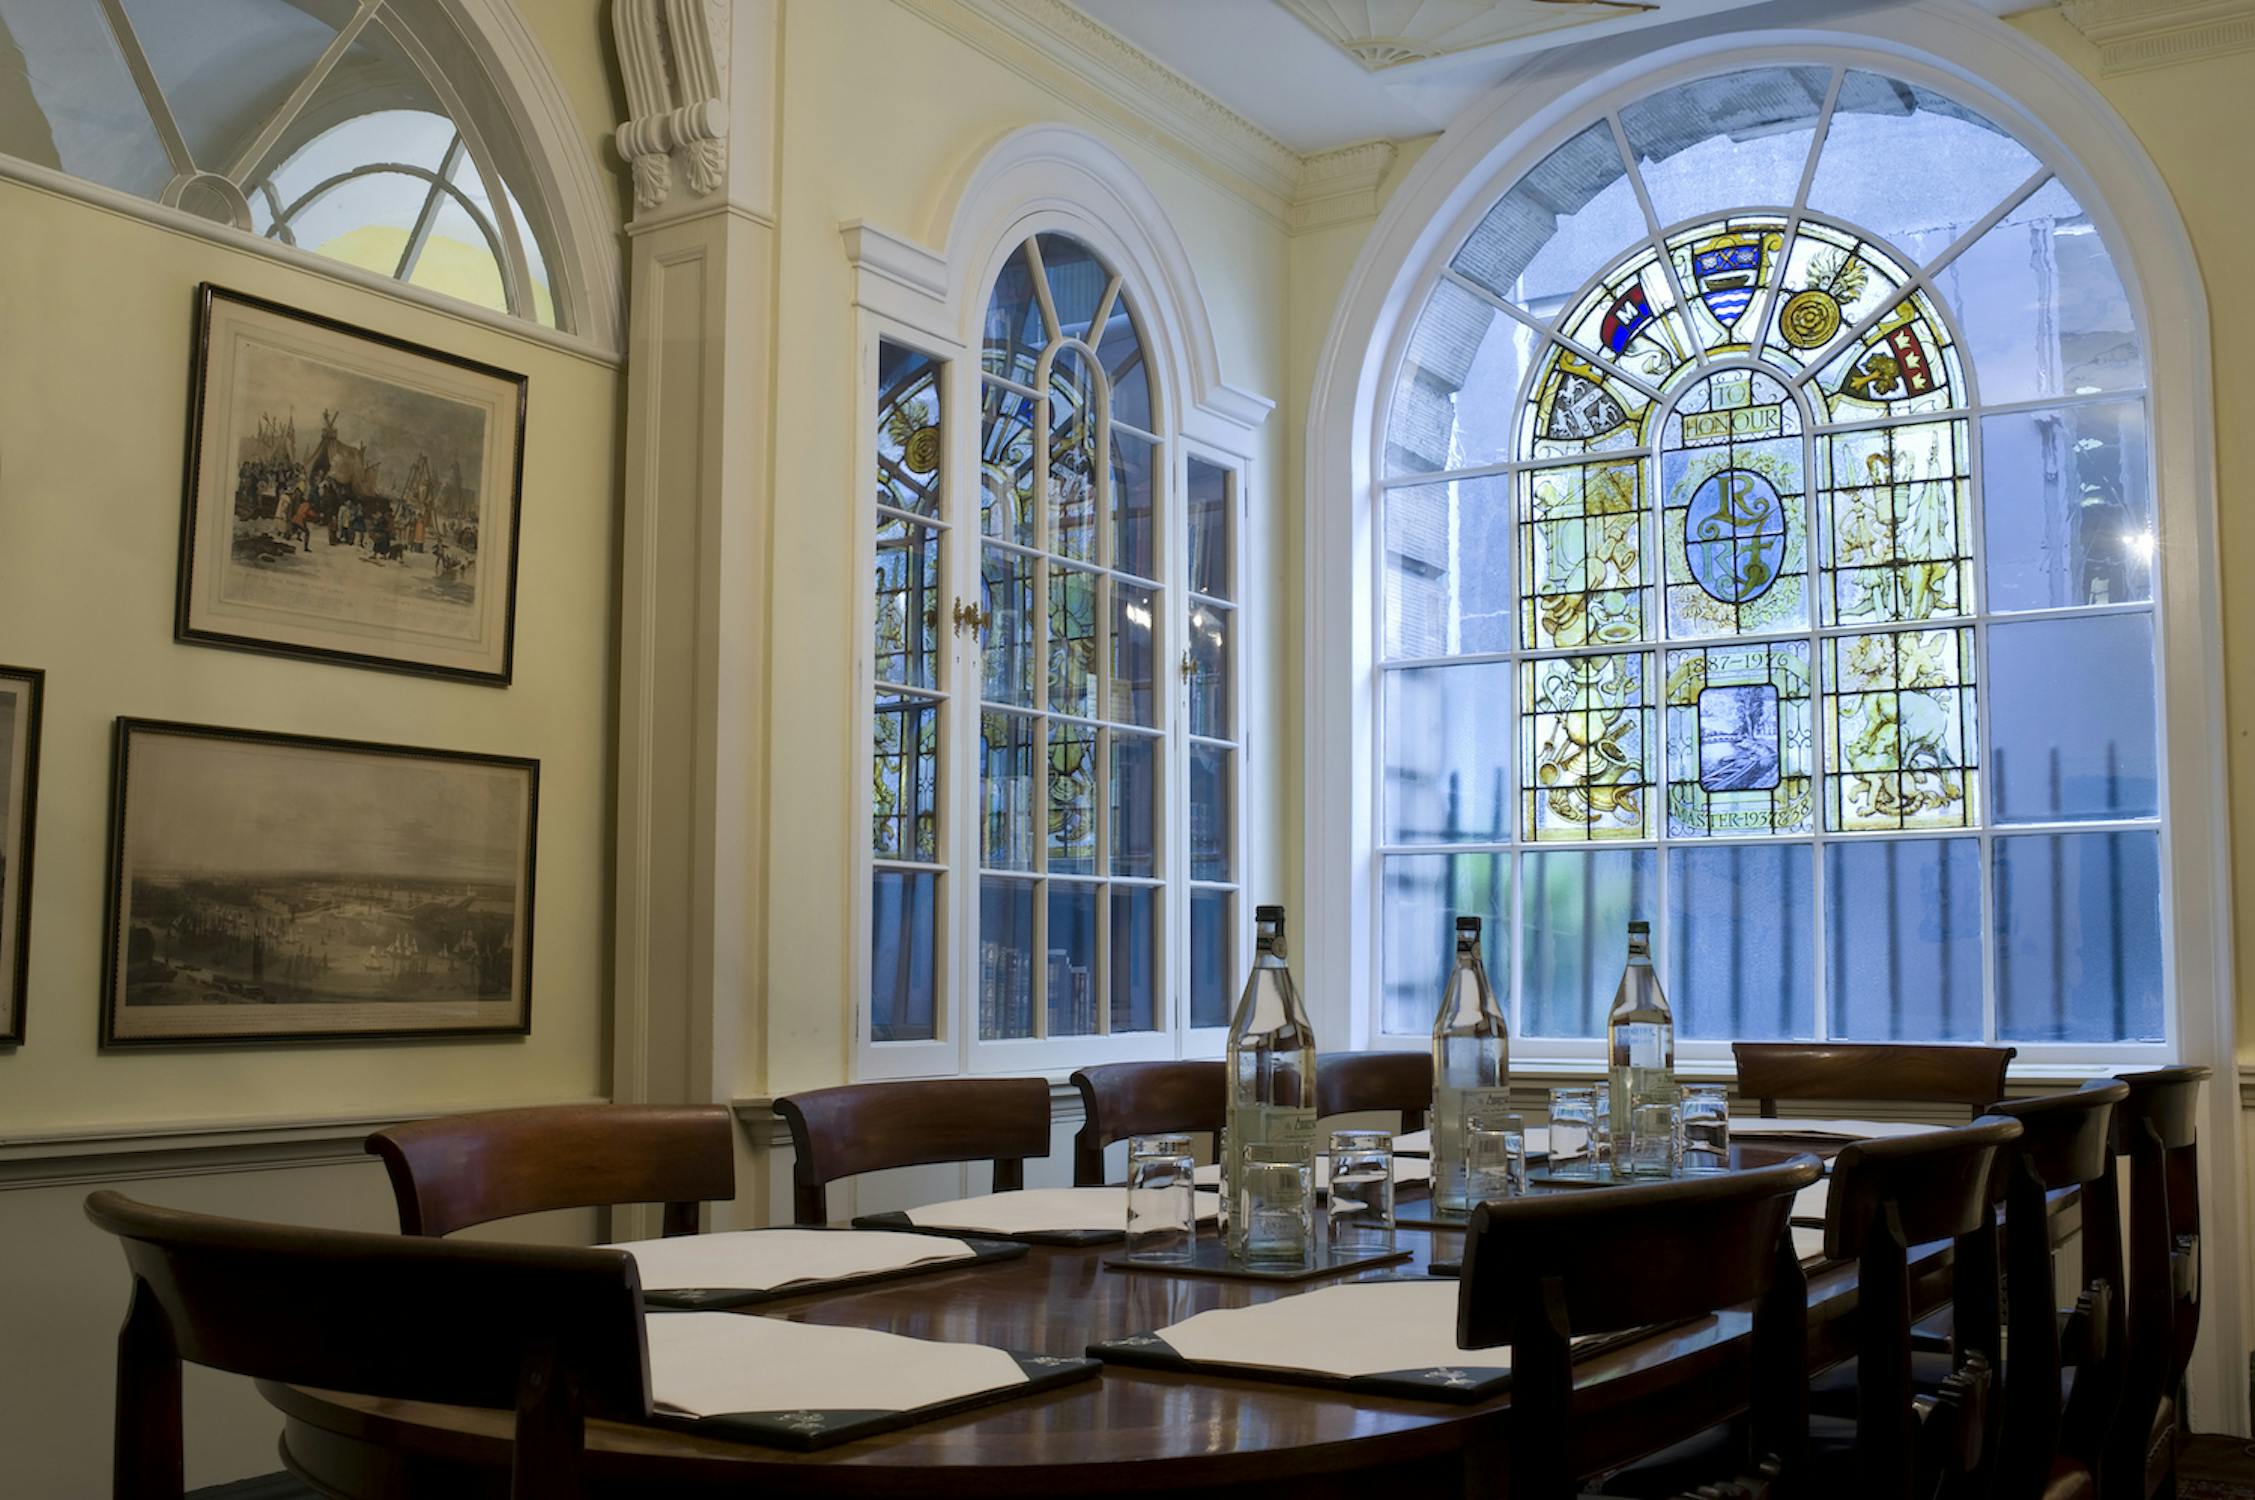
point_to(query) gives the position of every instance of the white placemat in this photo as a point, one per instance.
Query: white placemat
(1416, 1143)
(711, 1364)
(1808, 1243)
(1362, 1328)
(759, 1260)
(1035, 1210)
(1854, 1130)
(1407, 1169)
(1809, 1203)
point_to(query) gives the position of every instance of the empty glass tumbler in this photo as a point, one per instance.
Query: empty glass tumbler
(1601, 1128)
(1705, 1137)
(1162, 1198)
(1573, 1120)
(1276, 1200)
(1495, 1157)
(1362, 1190)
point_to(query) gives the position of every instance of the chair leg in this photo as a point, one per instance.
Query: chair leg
(146, 1459)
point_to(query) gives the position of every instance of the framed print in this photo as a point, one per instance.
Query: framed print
(19, 799)
(350, 496)
(276, 887)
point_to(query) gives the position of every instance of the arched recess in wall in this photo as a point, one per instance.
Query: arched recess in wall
(421, 146)
(1959, 55)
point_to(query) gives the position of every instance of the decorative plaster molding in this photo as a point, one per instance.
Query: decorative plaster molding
(1382, 34)
(1341, 186)
(673, 55)
(2132, 35)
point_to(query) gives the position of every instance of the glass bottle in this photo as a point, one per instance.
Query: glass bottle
(1471, 1064)
(1271, 1063)
(1640, 1054)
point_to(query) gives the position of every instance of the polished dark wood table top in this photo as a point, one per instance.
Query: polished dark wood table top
(1128, 1432)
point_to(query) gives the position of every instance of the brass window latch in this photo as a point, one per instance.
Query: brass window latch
(971, 616)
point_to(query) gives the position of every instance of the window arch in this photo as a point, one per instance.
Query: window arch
(359, 130)
(1767, 548)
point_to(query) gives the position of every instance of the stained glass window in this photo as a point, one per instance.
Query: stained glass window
(1775, 517)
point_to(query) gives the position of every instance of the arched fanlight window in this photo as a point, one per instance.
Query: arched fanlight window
(356, 129)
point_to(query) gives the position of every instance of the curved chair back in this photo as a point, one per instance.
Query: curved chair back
(1347, 1082)
(2157, 1129)
(868, 1127)
(1881, 1072)
(554, 1334)
(1143, 1098)
(459, 1170)
(1540, 1271)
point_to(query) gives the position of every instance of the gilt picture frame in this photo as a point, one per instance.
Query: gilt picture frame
(280, 887)
(349, 496)
(21, 689)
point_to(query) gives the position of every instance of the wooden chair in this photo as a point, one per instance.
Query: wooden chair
(459, 1170)
(1349, 1082)
(1541, 1271)
(868, 1127)
(2157, 1129)
(1119, 1100)
(1885, 1073)
(554, 1334)
(2046, 1452)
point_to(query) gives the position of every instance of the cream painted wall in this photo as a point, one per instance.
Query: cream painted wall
(877, 132)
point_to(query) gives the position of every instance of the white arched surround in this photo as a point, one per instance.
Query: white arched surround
(1971, 56)
(1035, 179)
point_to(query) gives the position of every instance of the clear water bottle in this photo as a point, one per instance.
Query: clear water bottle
(1271, 1066)
(1640, 1052)
(1471, 1065)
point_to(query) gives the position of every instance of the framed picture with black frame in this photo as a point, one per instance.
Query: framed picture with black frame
(350, 496)
(20, 690)
(282, 887)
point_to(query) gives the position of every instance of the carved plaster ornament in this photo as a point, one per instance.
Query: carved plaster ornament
(674, 56)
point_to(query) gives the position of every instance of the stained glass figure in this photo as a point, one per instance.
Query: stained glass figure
(1734, 508)
(1740, 744)
(1579, 407)
(1900, 749)
(1586, 748)
(1581, 563)
(1898, 523)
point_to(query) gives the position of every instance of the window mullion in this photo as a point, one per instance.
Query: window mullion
(287, 113)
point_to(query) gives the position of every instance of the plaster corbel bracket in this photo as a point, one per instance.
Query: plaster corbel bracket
(673, 55)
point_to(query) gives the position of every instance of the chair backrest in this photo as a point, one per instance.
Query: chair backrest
(1887, 1196)
(2157, 1128)
(868, 1127)
(2064, 1144)
(1882, 1072)
(554, 1334)
(1347, 1082)
(1540, 1271)
(1143, 1098)
(459, 1170)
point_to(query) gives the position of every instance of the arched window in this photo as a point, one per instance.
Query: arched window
(1028, 621)
(1767, 551)
(336, 126)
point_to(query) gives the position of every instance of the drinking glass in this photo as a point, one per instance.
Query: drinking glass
(1362, 1190)
(1601, 1128)
(1162, 1198)
(1495, 1157)
(1276, 1188)
(1573, 1121)
(1705, 1135)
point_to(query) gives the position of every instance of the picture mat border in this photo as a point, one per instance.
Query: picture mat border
(207, 295)
(121, 735)
(17, 975)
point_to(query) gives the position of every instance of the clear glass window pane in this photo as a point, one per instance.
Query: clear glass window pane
(1135, 804)
(1007, 647)
(1739, 960)
(363, 220)
(1424, 895)
(1210, 529)
(1902, 939)
(1077, 280)
(1134, 539)
(2071, 719)
(1071, 961)
(908, 602)
(1135, 958)
(1072, 641)
(1452, 406)
(2066, 506)
(1589, 758)
(1558, 227)
(81, 112)
(1135, 663)
(1006, 958)
(1006, 790)
(1965, 165)
(1121, 354)
(1448, 568)
(1211, 684)
(1212, 920)
(1577, 906)
(908, 429)
(905, 795)
(223, 82)
(1213, 811)
(1735, 140)
(1015, 334)
(904, 937)
(1006, 464)
(1072, 798)
(2079, 955)
(461, 256)
(1447, 747)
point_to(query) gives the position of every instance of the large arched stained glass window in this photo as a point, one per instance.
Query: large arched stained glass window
(1767, 552)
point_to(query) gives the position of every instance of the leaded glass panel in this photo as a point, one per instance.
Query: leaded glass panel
(1073, 462)
(1072, 798)
(1631, 317)
(908, 602)
(1006, 464)
(1734, 508)
(1728, 269)
(1897, 506)
(1833, 279)
(1578, 407)
(904, 791)
(1586, 747)
(1741, 751)
(1904, 364)
(1581, 554)
(1900, 749)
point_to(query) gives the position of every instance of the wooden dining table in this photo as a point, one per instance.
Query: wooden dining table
(1129, 1432)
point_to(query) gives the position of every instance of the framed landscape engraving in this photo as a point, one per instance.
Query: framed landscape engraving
(350, 496)
(19, 796)
(269, 887)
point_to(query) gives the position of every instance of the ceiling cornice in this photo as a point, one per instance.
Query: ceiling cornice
(1382, 34)
(2133, 35)
(1341, 186)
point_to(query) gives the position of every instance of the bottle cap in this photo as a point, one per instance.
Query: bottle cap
(1641, 927)
(1268, 913)
(1467, 924)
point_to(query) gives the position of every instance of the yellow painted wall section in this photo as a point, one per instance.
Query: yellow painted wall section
(881, 110)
